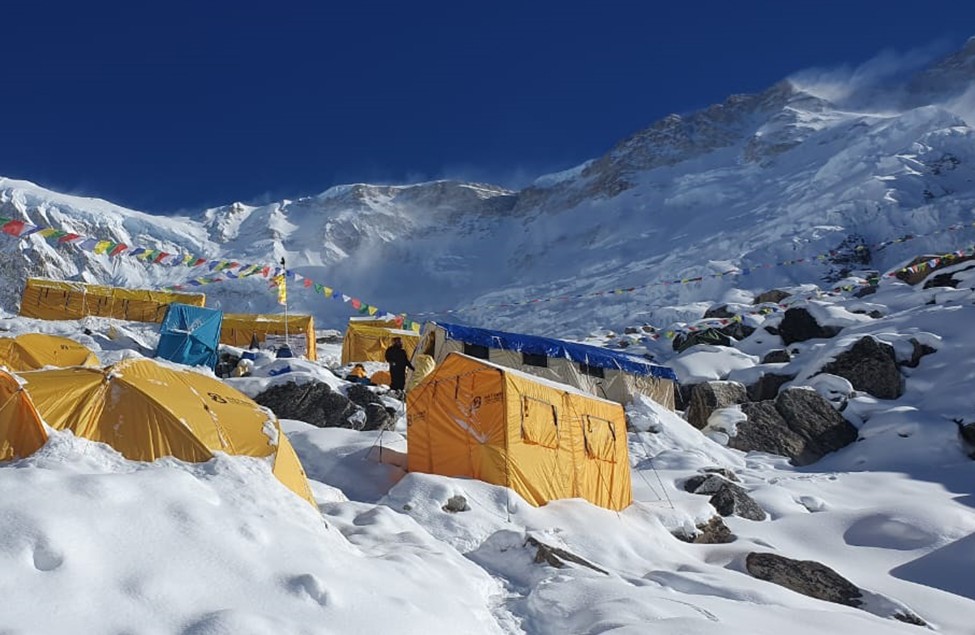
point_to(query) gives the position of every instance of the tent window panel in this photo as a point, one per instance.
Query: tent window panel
(476, 350)
(533, 359)
(592, 371)
(600, 438)
(539, 423)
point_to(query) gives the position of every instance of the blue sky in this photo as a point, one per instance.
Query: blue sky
(174, 106)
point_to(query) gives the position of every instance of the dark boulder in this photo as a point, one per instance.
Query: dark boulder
(711, 336)
(870, 366)
(719, 311)
(557, 556)
(713, 532)
(777, 356)
(313, 402)
(378, 416)
(733, 500)
(919, 351)
(767, 386)
(799, 424)
(798, 325)
(766, 431)
(455, 504)
(804, 576)
(774, 296)
(704, 484)
(809, 415)
(707, 397)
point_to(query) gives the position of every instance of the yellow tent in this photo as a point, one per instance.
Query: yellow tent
(544, 440)
(59, 300)
(146, 410)
(31, 351)
(238, 329)
(21, 430)
(367, 340)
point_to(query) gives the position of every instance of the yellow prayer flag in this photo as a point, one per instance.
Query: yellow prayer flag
(282, 283)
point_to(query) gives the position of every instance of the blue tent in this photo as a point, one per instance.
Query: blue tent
(190, 335)
(594, 356)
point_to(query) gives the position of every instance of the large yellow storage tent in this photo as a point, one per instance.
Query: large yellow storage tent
(59, 300)
(21, 430)
(31, 351)
(366, 340)
(147, 410)
(238, 329)
(544, 440)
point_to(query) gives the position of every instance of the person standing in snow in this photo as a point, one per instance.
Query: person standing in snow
(398, 362)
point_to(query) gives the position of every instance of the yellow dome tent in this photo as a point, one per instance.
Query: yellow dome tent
(21, 430)
(31, 351)
(146, 410)
(544, 440)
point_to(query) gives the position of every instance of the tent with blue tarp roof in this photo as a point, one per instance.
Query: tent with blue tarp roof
(605, 373)
(190, 335)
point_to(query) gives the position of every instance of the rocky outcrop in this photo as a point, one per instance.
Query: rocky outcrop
(774, 296)
(378, 416)
(919, 351)
(798, 325)
(804, 576)
(315, 403)
(733, 500)
(727, 498)
(557, 557)
(967, 433)
(799, 424)
(707, 397)
(870, 366)
(767, 386)
(777, 356)
(713, 532)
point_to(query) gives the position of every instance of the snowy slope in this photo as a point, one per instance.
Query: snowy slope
(222, 547)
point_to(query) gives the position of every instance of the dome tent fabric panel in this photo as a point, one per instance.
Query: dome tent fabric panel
(147, 410)
(21, 431)
(61, 300)
(31, 351)
(367, 342)
(238, 329)
(472, 418)
(190, 335)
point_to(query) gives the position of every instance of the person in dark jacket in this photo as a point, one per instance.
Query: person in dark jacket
(398, 362)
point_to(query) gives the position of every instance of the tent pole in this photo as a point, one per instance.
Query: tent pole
(285, 274)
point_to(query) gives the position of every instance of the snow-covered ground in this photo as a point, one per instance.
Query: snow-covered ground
(91, 542)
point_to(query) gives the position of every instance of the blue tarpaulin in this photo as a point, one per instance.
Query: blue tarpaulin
(533, 345)
(190, 335)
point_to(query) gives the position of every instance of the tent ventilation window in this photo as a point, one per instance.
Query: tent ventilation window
(476, 350)
(600, 438)
(539, 423)
(592, 371)
(533, 359)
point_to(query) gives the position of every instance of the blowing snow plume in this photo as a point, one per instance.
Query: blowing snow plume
(879, 84)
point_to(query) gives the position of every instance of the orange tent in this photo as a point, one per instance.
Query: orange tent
(21, 430)
(147, 410)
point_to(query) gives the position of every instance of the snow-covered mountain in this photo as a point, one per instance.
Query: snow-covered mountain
(787, 174)
(876, 536)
